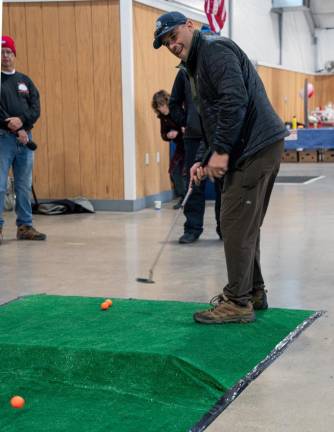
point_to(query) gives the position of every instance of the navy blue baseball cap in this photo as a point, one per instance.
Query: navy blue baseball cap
(165, 23)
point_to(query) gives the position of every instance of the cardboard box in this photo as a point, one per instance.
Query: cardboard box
(328, 155)
(308, 156)
(290, 156)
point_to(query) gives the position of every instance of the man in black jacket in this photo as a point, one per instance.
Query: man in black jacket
(19, 110)
(246, 138)
(183, 111)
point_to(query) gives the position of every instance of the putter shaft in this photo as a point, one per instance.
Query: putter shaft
(179, 211)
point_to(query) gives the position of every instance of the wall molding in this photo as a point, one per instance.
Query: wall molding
(123, 205)
(132, 205)
(281, 67)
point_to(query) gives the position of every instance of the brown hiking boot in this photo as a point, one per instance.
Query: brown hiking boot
(1, 235)
(226, 312)
(26, 232)
(259, 298)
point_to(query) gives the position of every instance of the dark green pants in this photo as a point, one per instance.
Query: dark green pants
(245, 198)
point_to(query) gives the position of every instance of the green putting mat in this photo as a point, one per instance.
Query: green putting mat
(140, 366)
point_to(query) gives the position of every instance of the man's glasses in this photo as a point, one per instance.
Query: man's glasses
(7, 53)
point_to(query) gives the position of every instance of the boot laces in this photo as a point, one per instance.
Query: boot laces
(219, 298)
(216, 300)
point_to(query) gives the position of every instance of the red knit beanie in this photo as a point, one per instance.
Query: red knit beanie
(8, 42)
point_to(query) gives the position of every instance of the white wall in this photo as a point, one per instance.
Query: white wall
(255, 29)
(325, 47)
(298, 48)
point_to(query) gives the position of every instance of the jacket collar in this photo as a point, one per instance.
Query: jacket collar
(193, 53)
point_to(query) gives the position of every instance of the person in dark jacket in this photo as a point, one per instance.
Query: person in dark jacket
(246, 138)
(171, 132)
(184, 112)
(19, 110)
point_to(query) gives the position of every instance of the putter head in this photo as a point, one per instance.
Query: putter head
(145, 280)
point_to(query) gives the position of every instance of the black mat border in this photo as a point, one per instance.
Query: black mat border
(243, 383)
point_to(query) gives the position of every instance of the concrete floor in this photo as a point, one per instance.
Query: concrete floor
(102, 254)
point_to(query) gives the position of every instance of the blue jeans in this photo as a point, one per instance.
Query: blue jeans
(21, 159)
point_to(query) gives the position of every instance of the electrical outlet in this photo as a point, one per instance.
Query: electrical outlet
(158, 157)
(147, 159)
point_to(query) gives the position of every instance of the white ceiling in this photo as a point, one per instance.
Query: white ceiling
(323, 13)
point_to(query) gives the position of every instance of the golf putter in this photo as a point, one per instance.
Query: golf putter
(150, 280)
(155, 262)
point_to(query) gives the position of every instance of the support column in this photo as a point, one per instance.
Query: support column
(128, 96)
(280, 37)
(230, 19)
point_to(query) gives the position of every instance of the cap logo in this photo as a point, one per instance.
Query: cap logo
(158, 25)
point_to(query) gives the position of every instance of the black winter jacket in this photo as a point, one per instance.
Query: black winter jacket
(167, 124)
(237, 116)
(182, 108)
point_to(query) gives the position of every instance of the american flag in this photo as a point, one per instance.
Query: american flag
(216, 13)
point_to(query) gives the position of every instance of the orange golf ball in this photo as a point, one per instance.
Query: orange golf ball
(17, 402)
(109, 301)
(104, 306)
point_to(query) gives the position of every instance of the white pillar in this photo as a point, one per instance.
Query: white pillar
(128, 96)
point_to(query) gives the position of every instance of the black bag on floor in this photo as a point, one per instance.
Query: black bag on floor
(62, 206)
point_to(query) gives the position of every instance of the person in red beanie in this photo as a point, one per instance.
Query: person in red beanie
(19, 111)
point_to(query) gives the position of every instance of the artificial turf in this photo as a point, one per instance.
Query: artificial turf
(140, 366)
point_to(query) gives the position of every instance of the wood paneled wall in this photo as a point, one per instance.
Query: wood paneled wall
(283, 88)
(324, 90)
(71, 50)
(154, 70)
